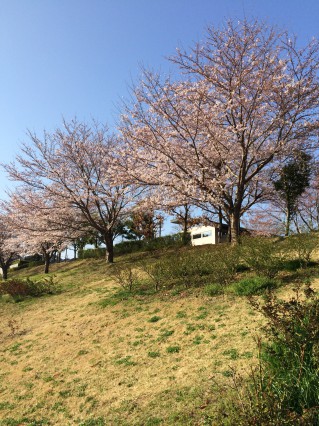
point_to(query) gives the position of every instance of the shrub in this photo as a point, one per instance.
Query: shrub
(125, 275)
(24, 288)
(160, 272)
(217, 264)
(160, 243)
(214, 289)
(253, 285)
(224, 260)
(35, 263)
(303, 246)
(29, 263)
(188, 268)
(291, 357)
(126, 247)
(284, 388)
(96, 253)
(264, 255)
(193, 267)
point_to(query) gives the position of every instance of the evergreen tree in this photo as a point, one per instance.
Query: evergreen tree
(293, 180)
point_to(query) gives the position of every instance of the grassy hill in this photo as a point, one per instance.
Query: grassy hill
(94, 354)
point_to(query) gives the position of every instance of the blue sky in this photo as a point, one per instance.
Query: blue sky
(78, 57)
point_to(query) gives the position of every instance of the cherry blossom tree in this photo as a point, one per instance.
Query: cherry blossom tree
(77, 166)
(39, 225)
(247, 97)
(266, 220)
(8, 248)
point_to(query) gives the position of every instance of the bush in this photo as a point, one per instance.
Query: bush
(126, 247)
(214, 289)
(303, 246)
(292, 265)
(265, 255)
(188, 268)
(27, 288)
(28, 261)
(224, 260)
(96, 253)
(253, 285)
(284, 388)
(160, 243)
(125, 275)
(160, 272)
(35, 263)
(217, 264)
(291, 358)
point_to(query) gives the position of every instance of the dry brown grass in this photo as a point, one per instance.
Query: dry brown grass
(66, 360)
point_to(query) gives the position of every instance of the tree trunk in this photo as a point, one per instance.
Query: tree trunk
(185, 227)
(288, 221)
(109, 247)
(185, 220)
(234, 227)
(4, 272)
(298, 228)
(220, 219)
(47, 257)
(75, 250)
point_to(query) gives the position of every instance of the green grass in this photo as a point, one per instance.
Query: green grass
(173, 349)
(254, 285)
(95, 354)
(155, 318)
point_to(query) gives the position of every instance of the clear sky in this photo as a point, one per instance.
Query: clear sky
(78, 57)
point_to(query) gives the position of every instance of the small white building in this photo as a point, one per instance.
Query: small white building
(213, 234)
(201, 235)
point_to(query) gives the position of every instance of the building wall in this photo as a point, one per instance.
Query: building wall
(201, 235)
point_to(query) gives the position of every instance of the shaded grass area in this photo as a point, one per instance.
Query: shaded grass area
(98, 354)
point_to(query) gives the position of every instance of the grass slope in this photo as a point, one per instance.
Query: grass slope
(83, 357)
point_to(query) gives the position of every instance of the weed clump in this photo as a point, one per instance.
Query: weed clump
(214, 289)
(154, 354)
(254, 285)
(173, 349)
(155, 318)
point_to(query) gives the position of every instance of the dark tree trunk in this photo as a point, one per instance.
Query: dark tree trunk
(288, 222)
(109, 247)
(185, 227)
(5, 269)
(47, 258)
(220, 219)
